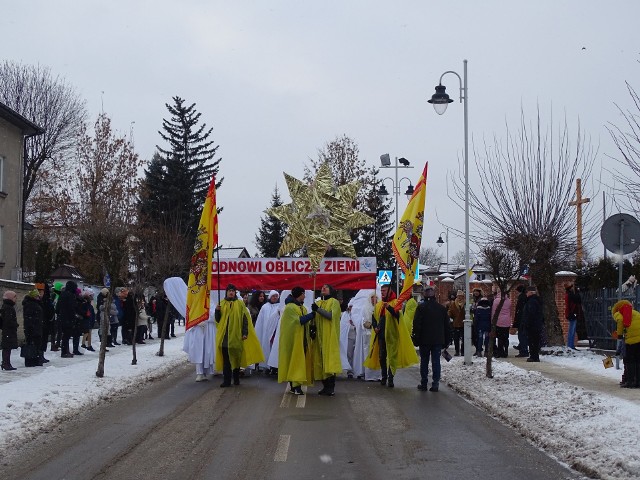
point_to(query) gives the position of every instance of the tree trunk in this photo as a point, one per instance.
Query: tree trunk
(104, 329)
(547, 292)
(164, 331)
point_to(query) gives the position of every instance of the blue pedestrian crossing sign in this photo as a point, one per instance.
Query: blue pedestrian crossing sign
(384, 277)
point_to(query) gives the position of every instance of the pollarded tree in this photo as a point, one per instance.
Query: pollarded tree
(431, 256)
(272, 231)
(522, 203)
(177, 180)
(51, 103)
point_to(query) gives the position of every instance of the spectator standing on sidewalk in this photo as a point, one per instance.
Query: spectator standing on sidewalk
(9, 325)
(430, 334)
(523, 341)
(533, 319)
(33, 316)
(573, 303)
(456, 313)
(502, 324)
(628, 327)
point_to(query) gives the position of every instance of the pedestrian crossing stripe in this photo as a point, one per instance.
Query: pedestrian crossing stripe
(384, 277)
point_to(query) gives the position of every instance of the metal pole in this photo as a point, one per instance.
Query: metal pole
(467, 316)
(621, 260)
(604, 219)
(447, 249)
(396, 189)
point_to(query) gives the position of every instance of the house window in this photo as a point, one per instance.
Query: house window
(1, 245)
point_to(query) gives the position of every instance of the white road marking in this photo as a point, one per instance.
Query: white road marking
(282, 449)
(286, 398)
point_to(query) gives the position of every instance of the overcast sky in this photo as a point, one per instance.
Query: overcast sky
(278, 79)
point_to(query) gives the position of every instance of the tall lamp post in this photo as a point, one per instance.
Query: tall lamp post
(440, 100)
(446, 240)
(385, 162)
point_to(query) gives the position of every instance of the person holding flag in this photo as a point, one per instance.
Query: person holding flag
(392, 347)
(199, 338)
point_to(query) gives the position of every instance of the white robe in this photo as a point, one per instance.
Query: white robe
(267, 325)
(361, 312)
(199, 341)
(273, 356)
(344, 340)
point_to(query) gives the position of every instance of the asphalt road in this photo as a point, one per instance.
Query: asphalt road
(179, 429)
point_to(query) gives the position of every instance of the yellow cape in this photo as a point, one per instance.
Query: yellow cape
(410, 312)
(242, 353)
(326, 351)
(400, 350)
(295, 364)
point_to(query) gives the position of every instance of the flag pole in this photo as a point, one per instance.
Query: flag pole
(218, 261)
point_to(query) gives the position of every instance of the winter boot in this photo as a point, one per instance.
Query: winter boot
(630, 376)
(236, 376)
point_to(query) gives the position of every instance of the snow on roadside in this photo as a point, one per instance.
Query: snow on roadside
(36, 400)
(593, 432)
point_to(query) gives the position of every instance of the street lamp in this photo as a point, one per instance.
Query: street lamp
(446, 240)
(440, 100)
(385, 162)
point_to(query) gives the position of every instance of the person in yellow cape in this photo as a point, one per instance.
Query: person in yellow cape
(408, 312)
(326, 349)
(237, 344)
(391, 348)
(295, 362)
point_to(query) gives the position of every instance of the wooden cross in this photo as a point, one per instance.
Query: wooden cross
(578, 204)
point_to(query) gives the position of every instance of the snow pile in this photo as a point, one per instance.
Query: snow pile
(593, 432)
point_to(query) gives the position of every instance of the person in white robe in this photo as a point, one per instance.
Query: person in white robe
(347, 340)
(199, 341)
(267, 323)
(284, 295)
(361, 313)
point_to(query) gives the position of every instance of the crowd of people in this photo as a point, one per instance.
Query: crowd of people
(298, 338)
(59, 318)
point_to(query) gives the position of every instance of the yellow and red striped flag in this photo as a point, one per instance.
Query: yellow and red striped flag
(408, 238)
(198, 293)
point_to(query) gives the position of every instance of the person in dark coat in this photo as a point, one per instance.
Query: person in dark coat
(66, 310)
(33, 318)
(9, 324)
(48, 318)
(431, 333)
(533, 320)
(523, 341)
(130, 316)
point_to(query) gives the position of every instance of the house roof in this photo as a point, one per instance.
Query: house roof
(233, 252)
(28, 128)
(65, 271)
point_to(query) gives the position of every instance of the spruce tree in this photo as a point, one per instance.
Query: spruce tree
(272, 231)
(176, 182)
(375, 240)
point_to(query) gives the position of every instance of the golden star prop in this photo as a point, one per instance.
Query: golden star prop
(320, 216)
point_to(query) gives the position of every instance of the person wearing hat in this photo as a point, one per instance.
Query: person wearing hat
(237, 344)
(267, 324)
(32, 314)
(326, 353)
(56, 337)
(430, 334)
(533, 320)
(523, 340)
(88, 318)
(9, 325)
(391, 348)
(456, 312)
(48, 317)
(628, 330)
(66, 309)
(295, 362)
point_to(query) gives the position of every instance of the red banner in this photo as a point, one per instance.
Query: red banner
(286, 273)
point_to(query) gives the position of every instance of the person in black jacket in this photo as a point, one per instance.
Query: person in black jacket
(523, 341)
(533, 320)
(66, 311)
(431, 333)
(9, 324)
(33, 318)
(48, 318)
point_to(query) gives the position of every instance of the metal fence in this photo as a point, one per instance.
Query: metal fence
(596, 305)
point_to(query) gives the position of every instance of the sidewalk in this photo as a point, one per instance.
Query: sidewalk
(577, 376)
